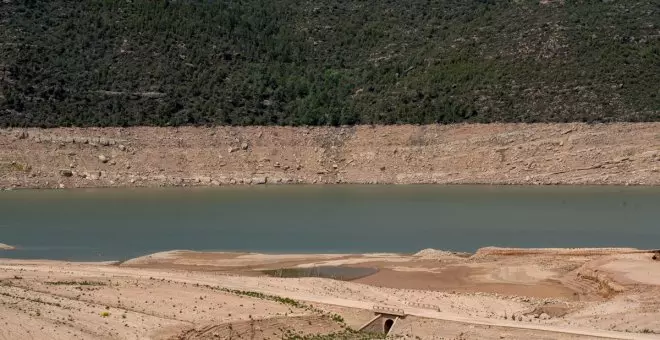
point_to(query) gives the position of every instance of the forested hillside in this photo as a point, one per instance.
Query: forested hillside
(327, 62)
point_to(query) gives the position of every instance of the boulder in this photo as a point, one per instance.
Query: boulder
(103, 159)
(66, 173)
(259, 180)
(244, 146)
(544, 316)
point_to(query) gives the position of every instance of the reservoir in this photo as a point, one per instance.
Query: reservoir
(118, 224)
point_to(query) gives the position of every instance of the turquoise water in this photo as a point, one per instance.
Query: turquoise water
(123, 223)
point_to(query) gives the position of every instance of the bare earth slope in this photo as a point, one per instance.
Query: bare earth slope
(623, 153)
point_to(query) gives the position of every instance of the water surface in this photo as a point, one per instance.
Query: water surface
(119, 224)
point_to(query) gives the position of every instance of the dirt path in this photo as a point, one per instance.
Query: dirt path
(622, 153)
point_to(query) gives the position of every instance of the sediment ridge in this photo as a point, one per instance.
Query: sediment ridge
(613, 154)
(6, 247)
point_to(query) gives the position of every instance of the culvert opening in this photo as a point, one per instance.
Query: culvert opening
(388, 325)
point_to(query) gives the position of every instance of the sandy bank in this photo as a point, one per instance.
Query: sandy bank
(6, 247)
(488, 251)
(622, 153)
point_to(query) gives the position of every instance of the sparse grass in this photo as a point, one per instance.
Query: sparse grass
(285, 301)
(15, 167)
(76, 283)
(105, 314)
(35, 300)
(337, 318)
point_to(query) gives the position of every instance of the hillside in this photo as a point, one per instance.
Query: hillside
(331, 62)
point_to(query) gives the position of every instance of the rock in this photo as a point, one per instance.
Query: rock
(66, 172)
(103, 159)
(520, 318)
(259, 180)
(544, 316)
(21, 134)
(335, 166)
(122, 147)
(61, 186)
(104, 142)
(232, 149)
(112, 162)
(244, 146)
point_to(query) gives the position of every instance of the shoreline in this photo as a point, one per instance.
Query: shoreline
(471, 154)
(427, 253)
(317, 185)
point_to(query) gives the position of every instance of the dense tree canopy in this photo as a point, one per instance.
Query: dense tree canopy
(327, 62)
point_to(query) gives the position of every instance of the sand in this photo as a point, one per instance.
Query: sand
(546, 295)
(6, 247)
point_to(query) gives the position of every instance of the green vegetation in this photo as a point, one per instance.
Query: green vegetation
(292, 62)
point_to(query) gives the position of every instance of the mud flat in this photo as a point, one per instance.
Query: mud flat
(589, 294)
(621, 154)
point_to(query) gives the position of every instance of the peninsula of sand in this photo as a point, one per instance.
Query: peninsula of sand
(6, 247)
(617, 154)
